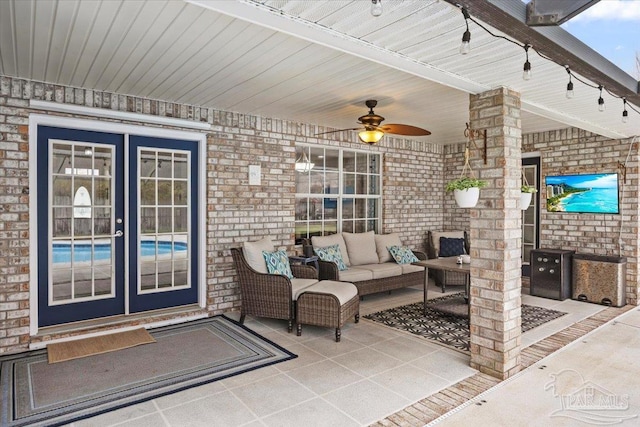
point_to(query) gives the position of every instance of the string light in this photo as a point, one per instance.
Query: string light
(465, 46)
(376, 7)
(569, 85)
(601, 106)
(526, 74)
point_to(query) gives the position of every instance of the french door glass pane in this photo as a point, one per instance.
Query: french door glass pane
(81, 215)
(163, 248)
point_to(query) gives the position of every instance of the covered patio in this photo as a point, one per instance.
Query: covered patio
(252, 83)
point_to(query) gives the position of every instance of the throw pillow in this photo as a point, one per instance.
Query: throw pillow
(402, 254)
(331, 254)
(450, 246)
(278, 263)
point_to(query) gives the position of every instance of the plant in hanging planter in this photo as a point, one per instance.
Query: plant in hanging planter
(466, 190)
(528, 189)
(464, 183)
(526, 193)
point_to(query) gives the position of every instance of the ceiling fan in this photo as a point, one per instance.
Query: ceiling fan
(372, 130)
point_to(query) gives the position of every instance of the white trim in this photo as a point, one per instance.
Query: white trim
(118, 115)
(531, 155)
(169, 322)
(37, 119)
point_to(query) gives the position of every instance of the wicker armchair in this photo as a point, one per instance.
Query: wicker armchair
(444, 278)
(270, 295)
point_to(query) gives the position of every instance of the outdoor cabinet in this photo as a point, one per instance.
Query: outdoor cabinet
(551, 273)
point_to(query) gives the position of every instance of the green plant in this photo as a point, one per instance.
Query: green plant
(528, 189)
(464, 183)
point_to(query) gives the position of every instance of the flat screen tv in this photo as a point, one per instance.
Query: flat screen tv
(586, 193)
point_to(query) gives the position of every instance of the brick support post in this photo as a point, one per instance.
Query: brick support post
(496, 236)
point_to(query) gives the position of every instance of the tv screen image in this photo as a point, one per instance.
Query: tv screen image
(586, 193)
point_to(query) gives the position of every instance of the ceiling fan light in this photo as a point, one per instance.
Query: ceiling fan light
(303, 164)
(370, 136)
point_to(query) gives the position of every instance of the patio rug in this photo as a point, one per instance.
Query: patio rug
(74, 349)
(37, 393)
(446, 321)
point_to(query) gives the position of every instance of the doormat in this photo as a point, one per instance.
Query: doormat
(68, 350)
(446, 321)
(37, 393)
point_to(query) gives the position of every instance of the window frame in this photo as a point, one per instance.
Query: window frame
(367, 223)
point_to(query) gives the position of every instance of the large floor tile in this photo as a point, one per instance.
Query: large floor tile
(312, 413)
(324, 376)
(329, 348)
(367, 361)
(410, 382)
(222, 409)
(447, 364)
(306, 357)
(406, 348)
(251, 376)
(367, 401)
(272, 395)
(189, 394)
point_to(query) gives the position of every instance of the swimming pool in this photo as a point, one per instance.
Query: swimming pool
(102, 251)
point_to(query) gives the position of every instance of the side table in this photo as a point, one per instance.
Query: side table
(305, 260)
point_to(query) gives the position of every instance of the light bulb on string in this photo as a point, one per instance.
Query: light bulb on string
(569, 85)
(625, 113)
(601, 106)
(526, 70)
(465, 46)
(376, 7)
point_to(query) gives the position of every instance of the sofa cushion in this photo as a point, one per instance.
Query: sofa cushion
(451, 246)
(361, 248)
(355, 274)
(333, 239)
(386, 269)
(253, 253)
(436, 235)
(410, 268)
(331, 254)
(298, 286)
(402, 254)
(383, 241)
(278, 263)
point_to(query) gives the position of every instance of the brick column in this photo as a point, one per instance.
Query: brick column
(496, 236)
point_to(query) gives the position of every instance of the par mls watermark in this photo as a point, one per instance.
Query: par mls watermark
(586, 401)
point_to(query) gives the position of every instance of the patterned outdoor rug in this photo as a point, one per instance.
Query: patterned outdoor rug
(37, 393)
(446, 321)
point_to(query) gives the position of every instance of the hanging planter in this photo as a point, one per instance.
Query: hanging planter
(466, 189)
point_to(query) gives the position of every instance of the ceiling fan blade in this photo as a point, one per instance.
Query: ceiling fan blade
(400, 129)
(339, 130)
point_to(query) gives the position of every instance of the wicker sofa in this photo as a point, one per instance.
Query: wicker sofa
(370, 266)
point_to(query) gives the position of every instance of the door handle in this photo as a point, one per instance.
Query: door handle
(119, 233)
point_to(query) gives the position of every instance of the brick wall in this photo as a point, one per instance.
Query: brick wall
(574, 151)
(236, 212)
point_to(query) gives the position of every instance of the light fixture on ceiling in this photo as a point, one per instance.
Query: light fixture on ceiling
(526, 70)
(88, 151)
(569, 85)
(465, 46)
(376, 7)
(625, 113)
(370, 136)
(601, 106)
(303, 164)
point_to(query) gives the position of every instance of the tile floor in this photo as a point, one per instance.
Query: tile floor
(373, 372)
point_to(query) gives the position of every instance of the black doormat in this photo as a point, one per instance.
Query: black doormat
(36, 393)
(446, 321)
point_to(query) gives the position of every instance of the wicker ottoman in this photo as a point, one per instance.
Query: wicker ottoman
(329, 304)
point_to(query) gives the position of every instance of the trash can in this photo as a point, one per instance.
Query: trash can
(600, 279)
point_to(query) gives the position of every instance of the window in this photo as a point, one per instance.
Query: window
(336, 190)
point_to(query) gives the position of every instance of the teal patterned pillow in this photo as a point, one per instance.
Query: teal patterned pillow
(278, 263)
(402, 254)
(331, 254)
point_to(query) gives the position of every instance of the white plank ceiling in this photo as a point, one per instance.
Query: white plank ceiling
(313, 61)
